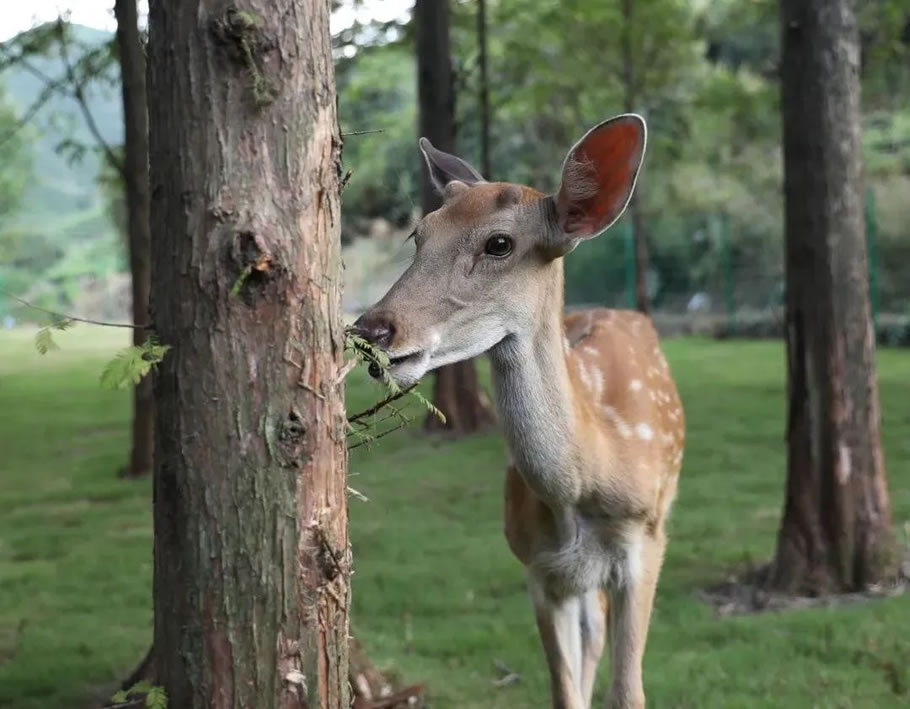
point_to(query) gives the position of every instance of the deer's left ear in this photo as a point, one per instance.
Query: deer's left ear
(598, 177)
(445, 168)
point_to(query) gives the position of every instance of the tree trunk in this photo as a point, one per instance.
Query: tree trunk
(836, 532)
(634, 208)
(136, 178)
(456, 392)
(252, 560)
(484, 90)
(435, 86)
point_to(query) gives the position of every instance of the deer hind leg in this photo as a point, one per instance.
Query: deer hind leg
(593, 634)
(559, 622)
(627, 624)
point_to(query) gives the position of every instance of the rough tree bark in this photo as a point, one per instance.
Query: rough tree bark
(836, 532)
(456, 391)
(630, 96)
(136, 178)
(251, 550)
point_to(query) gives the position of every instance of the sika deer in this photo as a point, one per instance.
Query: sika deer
(591, 415)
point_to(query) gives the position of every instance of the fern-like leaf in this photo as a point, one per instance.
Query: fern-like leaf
(132, 363)
(143, 686)
(59, 322)
(428, 405)
(120, 697)
(156, 698)
(44, 341)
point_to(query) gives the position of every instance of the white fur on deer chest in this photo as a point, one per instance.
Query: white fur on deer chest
(591, 554)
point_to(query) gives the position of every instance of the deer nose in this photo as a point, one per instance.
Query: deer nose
(375, 328)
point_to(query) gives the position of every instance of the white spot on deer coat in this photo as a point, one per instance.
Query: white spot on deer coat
(598, 377)
(585, 375)
(635, 385)
(621, 426)
(644, 432)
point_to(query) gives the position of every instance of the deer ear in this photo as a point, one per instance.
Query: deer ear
(445, 168)
(598, 176)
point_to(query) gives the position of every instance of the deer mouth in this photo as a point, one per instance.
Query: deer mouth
(375, 370)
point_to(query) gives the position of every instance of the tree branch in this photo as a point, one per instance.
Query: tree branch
(363, 132)
(376, 407)
(78, 93)
(378, 436)
(36, 106)
(61, 316)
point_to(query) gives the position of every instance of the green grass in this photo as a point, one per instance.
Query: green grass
(437, 596)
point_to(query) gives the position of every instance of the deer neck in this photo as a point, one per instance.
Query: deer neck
(535, 398)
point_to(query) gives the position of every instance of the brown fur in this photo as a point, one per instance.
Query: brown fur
(589, 409)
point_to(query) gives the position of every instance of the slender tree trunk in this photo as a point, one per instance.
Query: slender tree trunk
(136, 177)
(456, 391)
(251, 549)
(484, 90)
(638, 222)
(836, 532)
(435, 86)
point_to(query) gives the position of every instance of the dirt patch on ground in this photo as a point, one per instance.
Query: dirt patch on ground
(746, 593)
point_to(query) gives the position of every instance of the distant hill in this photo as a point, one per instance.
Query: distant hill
(64, 203)
(61, 188)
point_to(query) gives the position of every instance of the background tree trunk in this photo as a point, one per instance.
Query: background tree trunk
(136, 177)
(251, 548)
(456, 391)
(634, 208)
(836, 533)
(484, 90)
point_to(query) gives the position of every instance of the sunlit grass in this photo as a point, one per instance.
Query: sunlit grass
(437, 596)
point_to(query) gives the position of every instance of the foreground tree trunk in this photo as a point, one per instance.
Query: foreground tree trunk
(136, 177)
(456, 391)
(836, 533)
(251, 549)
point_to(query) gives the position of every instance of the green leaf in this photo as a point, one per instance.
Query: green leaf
(428, 405)
(131, 364)
(119, 697)
(61, 323)
(156, 698)
(44, 341)
(143, 686)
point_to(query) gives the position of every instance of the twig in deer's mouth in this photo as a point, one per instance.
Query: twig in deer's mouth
(375, 370)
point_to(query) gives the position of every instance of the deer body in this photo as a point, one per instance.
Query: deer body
(592, 419)
(595, 527)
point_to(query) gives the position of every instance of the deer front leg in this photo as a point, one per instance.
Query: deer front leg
(593, 634)
(559, 625)
(628, 619)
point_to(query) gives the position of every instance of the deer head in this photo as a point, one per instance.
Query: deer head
(487, 261)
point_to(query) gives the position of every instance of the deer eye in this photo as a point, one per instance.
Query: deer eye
(499, 245)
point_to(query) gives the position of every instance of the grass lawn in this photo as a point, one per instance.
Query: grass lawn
(437, 596)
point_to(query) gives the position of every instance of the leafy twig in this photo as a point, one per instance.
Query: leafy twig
(381, 404)
(78, 93)
(62, 317)
(371, 439)
(345, 180)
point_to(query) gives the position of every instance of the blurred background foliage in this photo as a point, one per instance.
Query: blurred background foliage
(703, 72)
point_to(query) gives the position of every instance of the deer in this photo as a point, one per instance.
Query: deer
(591, 416)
